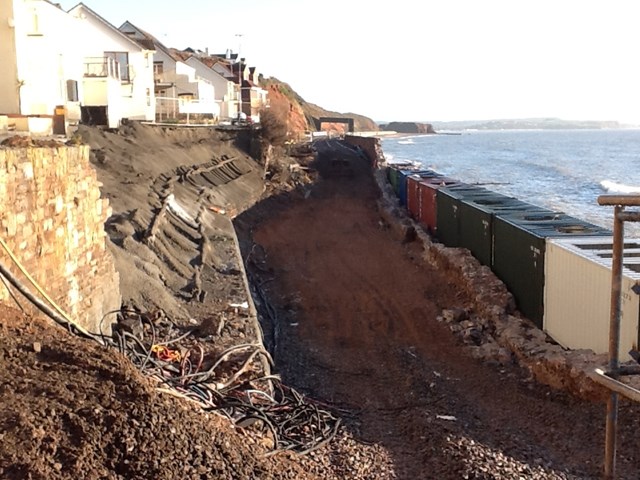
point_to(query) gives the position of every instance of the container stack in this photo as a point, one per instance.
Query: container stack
(557, 267)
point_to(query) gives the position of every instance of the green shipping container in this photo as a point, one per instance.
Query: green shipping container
(476, 222)
(448, 211)
(519, 247)
(393, 174)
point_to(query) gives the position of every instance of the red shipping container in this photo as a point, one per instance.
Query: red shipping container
(427, 206)
(413, 200)
(413, 197)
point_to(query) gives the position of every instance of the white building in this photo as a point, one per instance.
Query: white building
(226, 95)
(178, 87)
(118, 77)
(41, 75)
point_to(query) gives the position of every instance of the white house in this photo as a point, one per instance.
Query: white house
(246, 79)
(178, 88)
(41, 76)
(118, 72)
(226, 95)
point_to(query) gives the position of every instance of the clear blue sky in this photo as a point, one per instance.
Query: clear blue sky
(421, 60)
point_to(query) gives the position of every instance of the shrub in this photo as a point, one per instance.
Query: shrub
(274, 125)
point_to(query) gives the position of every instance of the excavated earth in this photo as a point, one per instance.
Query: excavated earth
(357, 326)
(350, 314)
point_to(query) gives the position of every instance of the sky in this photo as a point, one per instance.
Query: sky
(421, 60)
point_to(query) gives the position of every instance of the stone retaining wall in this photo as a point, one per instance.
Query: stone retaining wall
(370, 145)
(52, 218)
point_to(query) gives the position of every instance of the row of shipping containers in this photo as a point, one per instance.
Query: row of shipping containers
(557, 267)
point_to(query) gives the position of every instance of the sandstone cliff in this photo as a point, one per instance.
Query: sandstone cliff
(302, 115)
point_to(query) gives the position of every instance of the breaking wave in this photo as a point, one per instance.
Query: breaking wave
(613, 187)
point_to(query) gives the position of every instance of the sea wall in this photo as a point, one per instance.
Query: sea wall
(487, 322)
(52, 219)
(370, 145)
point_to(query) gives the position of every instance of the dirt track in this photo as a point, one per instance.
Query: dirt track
(357, 328)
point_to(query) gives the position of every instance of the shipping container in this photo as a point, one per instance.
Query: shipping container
(476, 221)
(427, 189)
(577, 293)
(413, 198)
(392, 174)
(448, 200)
(403, 175)
(519, 247)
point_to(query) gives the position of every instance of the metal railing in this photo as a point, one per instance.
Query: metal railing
(610, 378)
(101, 67)
(185, 110)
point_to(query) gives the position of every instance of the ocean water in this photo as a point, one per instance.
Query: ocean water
(563, 170)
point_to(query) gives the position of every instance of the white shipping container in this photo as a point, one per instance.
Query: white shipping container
(577, 293)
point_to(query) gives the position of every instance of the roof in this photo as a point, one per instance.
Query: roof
(209, 61)
(149, 42)
(180, 55)
(107, 24)
(228, 72)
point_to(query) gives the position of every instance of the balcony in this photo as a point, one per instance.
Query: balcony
(101, 67)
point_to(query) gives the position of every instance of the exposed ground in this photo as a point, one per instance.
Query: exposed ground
(349, 312)
(357, 328)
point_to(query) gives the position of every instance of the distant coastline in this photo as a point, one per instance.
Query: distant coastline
(528, 124)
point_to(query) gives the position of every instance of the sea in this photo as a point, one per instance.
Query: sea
(562, 170)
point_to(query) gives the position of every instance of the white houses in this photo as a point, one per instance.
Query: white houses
(60, 68)
(118, 72)
(225, 91)
(40, 78)
(179, 88)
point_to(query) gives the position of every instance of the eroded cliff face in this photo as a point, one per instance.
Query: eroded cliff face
(302, 116)
(288, 107)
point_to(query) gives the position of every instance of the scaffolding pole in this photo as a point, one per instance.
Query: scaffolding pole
(610, 378)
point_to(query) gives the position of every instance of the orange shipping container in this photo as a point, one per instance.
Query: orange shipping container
(413, 198)
(427, 207)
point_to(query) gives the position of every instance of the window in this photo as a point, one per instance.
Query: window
(158, 69)
(123, 60)
(72, 91)
(34, 25)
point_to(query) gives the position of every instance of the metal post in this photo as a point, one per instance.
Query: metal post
(614, 342)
